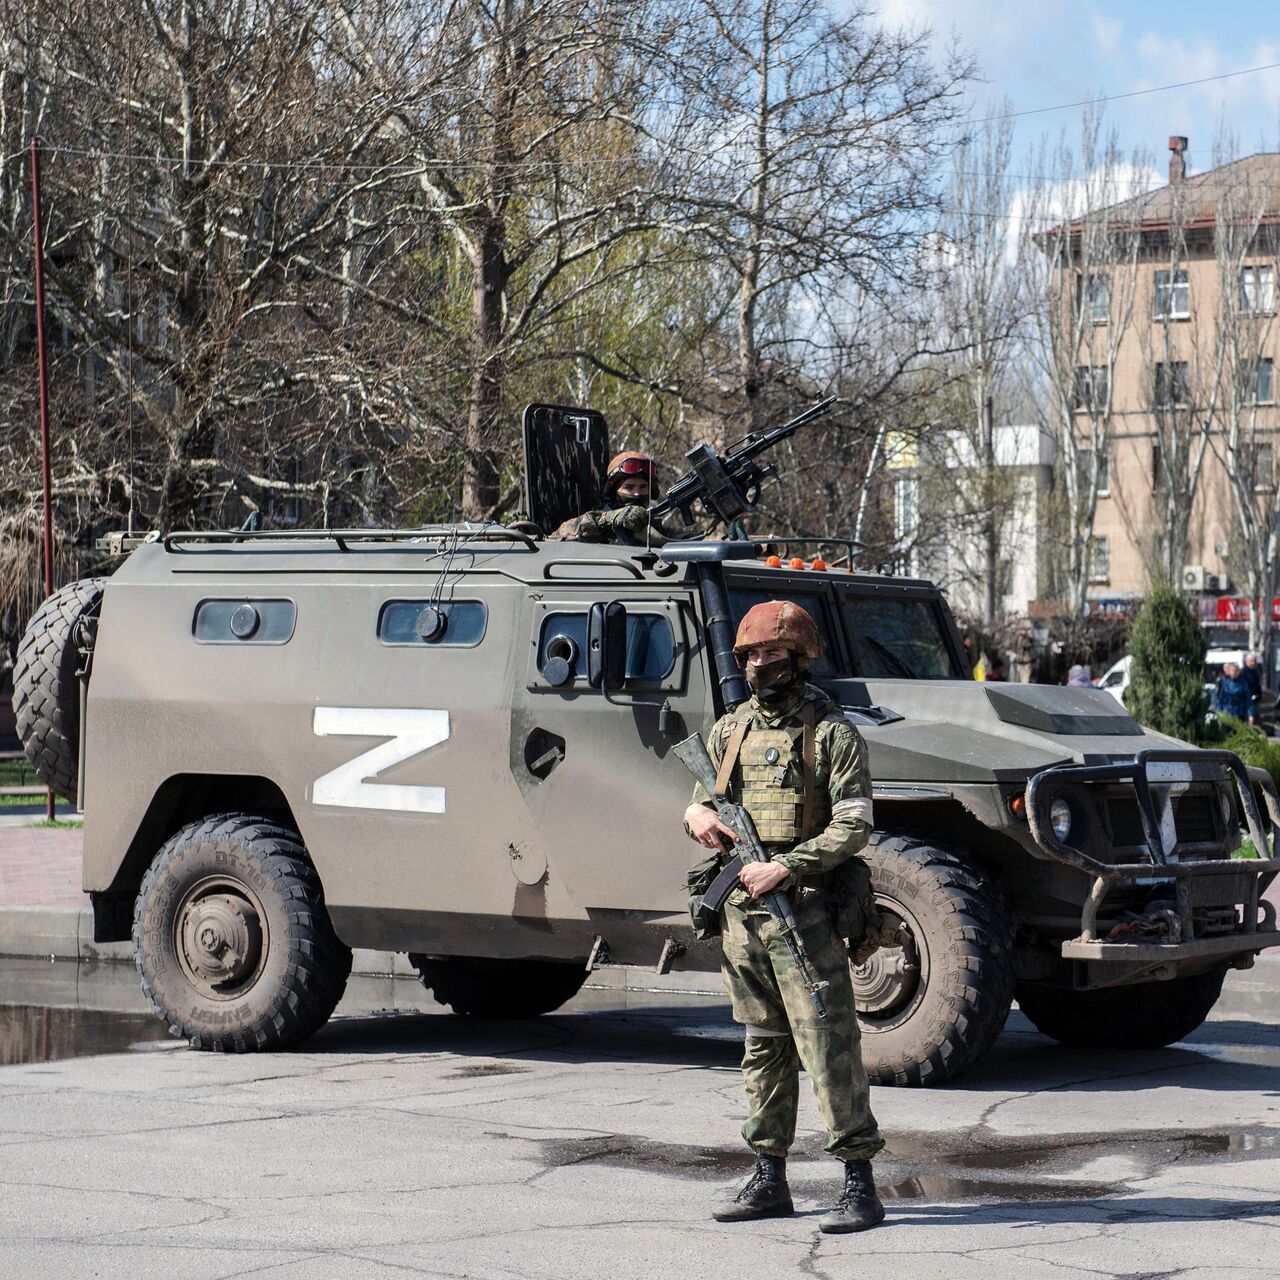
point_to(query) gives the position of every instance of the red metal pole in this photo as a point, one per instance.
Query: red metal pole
(43, 363)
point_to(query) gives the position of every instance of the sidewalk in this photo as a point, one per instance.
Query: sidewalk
(43, 913)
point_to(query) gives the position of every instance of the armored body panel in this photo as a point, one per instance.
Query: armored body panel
(458, 742)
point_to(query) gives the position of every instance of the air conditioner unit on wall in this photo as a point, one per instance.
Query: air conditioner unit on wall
(1193, 577)
(1217, 582)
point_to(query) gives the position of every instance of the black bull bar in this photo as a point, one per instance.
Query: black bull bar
(1154, 775)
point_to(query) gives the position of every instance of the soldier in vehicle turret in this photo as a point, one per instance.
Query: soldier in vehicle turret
(793, 761)
(630, 485)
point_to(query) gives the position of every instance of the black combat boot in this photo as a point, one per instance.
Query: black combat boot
(766, 1194)
(858, 1207)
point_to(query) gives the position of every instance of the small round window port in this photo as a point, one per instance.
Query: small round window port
(244, 622)
(558, 664)
(430, 623)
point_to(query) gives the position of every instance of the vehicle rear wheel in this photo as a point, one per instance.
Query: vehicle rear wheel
(46, 692)
(232, 940)
(487, 988)
(1144, 1015)
(931, 1007)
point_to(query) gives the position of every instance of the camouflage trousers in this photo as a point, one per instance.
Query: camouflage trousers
(784, 1032)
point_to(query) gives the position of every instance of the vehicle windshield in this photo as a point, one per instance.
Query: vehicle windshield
(886, 638)
(896, 638)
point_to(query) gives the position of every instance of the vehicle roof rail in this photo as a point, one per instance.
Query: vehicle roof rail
(463, 533)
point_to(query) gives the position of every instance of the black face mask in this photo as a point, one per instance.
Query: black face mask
(774, 683)
(635, 500)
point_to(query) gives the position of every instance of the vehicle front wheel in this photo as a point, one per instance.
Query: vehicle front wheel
(487, 988)
(930, 1007)
(232, 939)
(1144, 1015)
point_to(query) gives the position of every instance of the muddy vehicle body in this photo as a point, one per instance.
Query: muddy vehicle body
(456, 743)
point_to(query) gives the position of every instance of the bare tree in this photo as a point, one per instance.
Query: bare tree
(1082, 217)
(981, 305)
(1246, 257)
(822, 138)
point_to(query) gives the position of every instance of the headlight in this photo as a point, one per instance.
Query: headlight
(1060, 818)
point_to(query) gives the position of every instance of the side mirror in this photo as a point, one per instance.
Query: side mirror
(607, 645)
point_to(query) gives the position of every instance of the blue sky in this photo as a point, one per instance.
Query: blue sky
(1039, 55)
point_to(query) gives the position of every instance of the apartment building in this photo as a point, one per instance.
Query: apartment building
(1174, 338)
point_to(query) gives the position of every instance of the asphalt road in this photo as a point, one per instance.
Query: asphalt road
(591, 1144)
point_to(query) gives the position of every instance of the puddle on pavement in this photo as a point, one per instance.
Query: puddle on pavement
(479, 1069)
(640, 1153)
(917, 1166)
(33, 1033)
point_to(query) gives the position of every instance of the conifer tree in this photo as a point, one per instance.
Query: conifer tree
(1166, 679)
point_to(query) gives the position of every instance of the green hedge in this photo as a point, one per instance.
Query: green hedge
(1251, 744)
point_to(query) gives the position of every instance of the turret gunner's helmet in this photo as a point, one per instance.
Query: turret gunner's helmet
(778, 622)
(628, 466)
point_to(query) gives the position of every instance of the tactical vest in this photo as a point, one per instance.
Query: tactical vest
(778, 769)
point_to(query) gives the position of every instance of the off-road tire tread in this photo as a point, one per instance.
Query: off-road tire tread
(319, 963)
(976, 969)
(1146, 1015)
(46, 700)
(484, 988)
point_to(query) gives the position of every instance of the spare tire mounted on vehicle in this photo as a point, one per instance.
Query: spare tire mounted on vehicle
(46, 688)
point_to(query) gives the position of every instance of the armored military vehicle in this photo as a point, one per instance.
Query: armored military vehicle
(455, 742)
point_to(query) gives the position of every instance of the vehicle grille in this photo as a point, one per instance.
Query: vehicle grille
(1192, 816)
(1126, 821)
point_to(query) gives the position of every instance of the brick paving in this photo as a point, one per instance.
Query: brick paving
(40, 867)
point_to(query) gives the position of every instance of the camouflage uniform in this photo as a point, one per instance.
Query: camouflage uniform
(783, 1030)
(626, 525)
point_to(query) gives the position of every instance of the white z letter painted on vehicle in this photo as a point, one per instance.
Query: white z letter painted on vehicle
(411, 731)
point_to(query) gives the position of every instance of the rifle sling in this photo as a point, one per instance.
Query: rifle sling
(731, 750)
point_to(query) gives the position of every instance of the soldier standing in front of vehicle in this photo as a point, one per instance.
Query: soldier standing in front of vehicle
(799, 768)
(630, 485)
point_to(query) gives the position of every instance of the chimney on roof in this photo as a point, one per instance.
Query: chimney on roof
(1177, 160)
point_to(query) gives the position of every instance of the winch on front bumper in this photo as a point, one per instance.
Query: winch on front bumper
(1168, 820)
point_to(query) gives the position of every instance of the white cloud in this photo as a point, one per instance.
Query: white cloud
(1107, 33)
(1247, 103)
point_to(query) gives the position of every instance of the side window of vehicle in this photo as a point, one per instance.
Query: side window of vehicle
(455, 624)
(743, 598)
(652, 648)
(242, 621)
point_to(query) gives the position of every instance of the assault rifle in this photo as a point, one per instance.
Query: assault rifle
(693, 753)
(729, 486)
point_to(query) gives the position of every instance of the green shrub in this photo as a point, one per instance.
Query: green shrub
(1166, 678)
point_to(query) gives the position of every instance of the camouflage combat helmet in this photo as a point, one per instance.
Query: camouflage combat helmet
(780, 622)
(626, 466)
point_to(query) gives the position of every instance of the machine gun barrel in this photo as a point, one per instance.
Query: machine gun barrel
(693, 753)
(728, 486)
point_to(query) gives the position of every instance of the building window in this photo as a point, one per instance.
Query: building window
(1095, 297)
(1258, 290)
(1264, 468)
(1172, 389)
(1258, 381)
(1093, 384)
(904, 508)
(1104, 471)
(1100, 559)
(1173, 295)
